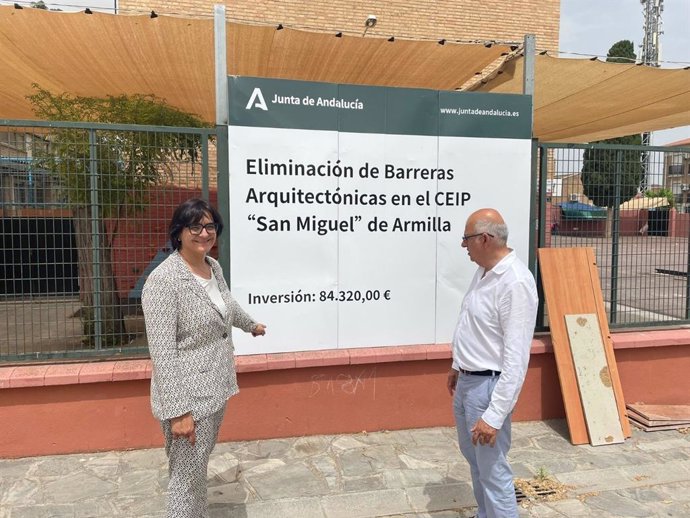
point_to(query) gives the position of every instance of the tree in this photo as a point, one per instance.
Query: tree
(599, 165)
(128, 164)
(622, 51)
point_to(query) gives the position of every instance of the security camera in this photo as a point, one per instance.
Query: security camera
(371, 21)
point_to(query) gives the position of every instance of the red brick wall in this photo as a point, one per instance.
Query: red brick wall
(450, 19)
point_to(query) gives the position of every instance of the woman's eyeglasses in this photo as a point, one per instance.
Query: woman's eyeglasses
(195, 230)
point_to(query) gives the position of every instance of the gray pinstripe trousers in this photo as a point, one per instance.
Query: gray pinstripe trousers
(187, 467)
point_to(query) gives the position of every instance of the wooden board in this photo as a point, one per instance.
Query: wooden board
(571, 285)
(661, 412)
(594, 379)
(648, 422)
(658, 428)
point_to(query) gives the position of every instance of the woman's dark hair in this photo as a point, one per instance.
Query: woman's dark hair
(188, 213)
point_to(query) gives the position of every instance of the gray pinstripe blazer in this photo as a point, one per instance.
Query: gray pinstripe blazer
(189, 341)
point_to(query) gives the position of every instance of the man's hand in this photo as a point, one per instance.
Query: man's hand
(184, 426)
(259, 330)
(482, 433)
(452, 381)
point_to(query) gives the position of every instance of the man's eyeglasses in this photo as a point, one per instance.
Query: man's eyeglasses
(195, 230)
(465, 238)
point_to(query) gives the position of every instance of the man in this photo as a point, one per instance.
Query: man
(491, 346)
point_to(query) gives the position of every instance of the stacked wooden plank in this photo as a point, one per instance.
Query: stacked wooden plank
(587, 370)
(659, 417)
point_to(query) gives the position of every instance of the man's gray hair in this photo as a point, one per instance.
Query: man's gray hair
(498, 230)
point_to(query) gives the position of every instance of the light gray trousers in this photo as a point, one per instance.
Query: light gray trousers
(492, 477)
(187, 466)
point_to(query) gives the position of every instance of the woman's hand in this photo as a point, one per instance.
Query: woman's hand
(259, 330)
(184, 426)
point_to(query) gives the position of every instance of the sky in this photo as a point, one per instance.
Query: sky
(590, 27)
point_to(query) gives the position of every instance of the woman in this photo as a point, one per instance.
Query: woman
(189, 316)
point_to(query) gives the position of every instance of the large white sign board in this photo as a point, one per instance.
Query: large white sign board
(348, 205)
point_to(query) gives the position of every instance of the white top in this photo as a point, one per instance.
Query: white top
(495, 330)
(211, 287)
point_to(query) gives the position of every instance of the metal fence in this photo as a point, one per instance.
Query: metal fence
(630, 204)
(84, 210)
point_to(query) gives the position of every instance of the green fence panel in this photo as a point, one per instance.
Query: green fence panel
(84, 210)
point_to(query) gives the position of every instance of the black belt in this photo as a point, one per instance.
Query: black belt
(481, 373)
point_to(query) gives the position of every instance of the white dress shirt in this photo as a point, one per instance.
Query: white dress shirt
(495, 330)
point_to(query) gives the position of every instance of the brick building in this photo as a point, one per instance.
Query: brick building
(464, 20)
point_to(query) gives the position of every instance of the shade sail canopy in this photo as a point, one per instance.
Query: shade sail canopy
(645, 203)
(582, 101)
(173, 58)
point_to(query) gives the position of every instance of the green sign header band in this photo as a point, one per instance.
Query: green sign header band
(280, 103)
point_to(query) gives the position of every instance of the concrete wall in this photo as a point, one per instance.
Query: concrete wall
(69, 408)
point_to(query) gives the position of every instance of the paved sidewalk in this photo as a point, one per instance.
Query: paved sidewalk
(406, 473)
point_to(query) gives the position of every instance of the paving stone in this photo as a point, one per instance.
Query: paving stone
(382, 456)
(600, 460)
(291, 480)
(407, 478)
(355, 464)
(674, 444)
(17, 468)
(275, 447)
(223, 468)
(131, 507)
(677, 492)
(347, 442)
(144, 459)
(350, 484)
(571, 507)
(104, 466)
(308, 446)
(23, 492)
(139, 483)
(234, 493)
(77, 486)
(257, 467)
(417, 463)
(387, 437)
(441, 497)
(407, 473)
(99, 508)
(325, 464)
(432, 453)
(57, 466)
(42, 511)
(366, 504)
(303, 507)
(615, 503)
(521, 470)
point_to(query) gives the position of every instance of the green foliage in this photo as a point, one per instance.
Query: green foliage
(662, 193)
(599, 172)
(599, 165)
(122, 165)
(622, 51)
(128, 162)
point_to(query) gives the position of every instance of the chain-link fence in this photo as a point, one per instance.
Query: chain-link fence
(84, 210)
(630, 204)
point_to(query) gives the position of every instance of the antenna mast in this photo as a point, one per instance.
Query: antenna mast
(650, 55)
